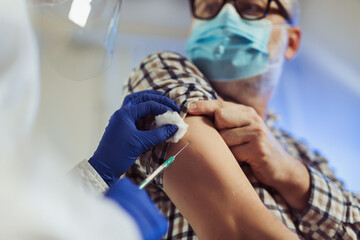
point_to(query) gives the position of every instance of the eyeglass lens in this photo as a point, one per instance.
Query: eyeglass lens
(248, 9)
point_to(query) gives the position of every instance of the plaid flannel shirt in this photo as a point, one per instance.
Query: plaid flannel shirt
(331, 212)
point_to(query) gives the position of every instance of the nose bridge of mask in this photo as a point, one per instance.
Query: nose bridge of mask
(257, 32)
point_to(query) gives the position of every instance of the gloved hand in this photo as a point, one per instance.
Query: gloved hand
(122, 143)
(138, 204)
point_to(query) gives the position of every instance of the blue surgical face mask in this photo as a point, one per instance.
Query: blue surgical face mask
(229, 48)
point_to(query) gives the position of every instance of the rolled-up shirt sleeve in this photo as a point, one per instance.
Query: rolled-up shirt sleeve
(332, 212)
(181, 81)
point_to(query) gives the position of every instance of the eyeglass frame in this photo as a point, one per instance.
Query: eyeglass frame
(283, 12)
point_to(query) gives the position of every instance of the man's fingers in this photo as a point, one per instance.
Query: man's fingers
(237, 136)
(242, 152)
(207, 107)
(247, 153)
(226, 114)
(232, 117)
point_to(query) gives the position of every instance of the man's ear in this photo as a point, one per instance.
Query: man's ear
(294, 38)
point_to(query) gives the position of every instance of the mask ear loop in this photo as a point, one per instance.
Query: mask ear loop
(272, 77)
(279, 58)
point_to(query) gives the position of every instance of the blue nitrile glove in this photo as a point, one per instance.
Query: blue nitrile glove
(138, 204)
(122, 143)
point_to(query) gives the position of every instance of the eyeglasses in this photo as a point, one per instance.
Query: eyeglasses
(247, 9)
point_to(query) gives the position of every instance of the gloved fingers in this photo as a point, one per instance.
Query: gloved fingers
(131, 97)
(152, 138)
(146, 108)
(158, 98)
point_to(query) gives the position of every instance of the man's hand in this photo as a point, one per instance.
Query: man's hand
(251, 141)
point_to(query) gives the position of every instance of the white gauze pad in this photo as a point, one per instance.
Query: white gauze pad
(174, 119)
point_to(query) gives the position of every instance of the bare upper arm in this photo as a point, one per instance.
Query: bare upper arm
(207, 185)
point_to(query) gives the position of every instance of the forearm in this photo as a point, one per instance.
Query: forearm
(295, 187)
(209, 188)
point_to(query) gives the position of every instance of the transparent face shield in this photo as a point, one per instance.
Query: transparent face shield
(78, 36)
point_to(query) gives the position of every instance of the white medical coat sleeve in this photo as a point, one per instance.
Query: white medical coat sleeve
(89, 177)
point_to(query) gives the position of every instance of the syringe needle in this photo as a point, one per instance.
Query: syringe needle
(182, 149)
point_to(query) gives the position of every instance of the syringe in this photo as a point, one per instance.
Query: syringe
(160, 169)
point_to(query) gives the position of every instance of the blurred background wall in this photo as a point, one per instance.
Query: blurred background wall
(318, 97)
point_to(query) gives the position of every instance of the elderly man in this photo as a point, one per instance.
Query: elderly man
(236, 51)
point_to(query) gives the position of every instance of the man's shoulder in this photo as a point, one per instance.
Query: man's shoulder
(171, 73)
(161, 56)
(167, 61)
